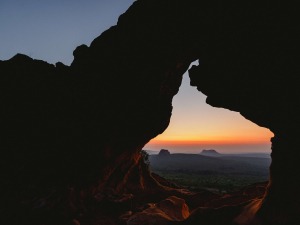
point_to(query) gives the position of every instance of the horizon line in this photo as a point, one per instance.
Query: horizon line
(199, 153)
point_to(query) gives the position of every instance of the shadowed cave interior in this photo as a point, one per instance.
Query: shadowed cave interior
(72, 135)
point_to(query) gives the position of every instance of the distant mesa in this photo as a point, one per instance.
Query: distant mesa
(210, 152)
(164, 152)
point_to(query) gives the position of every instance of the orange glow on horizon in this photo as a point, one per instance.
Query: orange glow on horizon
(254, 135)
(223, 146)
(196, 125)
(186, 142)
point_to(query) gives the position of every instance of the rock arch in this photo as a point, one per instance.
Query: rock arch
(84, 125)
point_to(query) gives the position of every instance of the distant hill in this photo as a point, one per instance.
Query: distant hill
(164, 152)
(220, 172)
(254, 154)
(199, 163)
(210, 152)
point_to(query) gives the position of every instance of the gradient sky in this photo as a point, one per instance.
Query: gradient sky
(51, 30)
(196, 125)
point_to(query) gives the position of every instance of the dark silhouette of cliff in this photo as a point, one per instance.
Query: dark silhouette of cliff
(210, 152)
(164, 152)
(71, 135)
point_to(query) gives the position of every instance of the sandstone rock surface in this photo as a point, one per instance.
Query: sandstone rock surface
(170, 209)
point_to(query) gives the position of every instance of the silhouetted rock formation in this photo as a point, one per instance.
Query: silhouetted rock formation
(72, 135)
(164, 152)
(210, 152)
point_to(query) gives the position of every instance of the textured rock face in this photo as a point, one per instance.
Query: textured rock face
(84, 125)
(170, 209)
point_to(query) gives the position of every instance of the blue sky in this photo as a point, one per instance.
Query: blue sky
(51, 30)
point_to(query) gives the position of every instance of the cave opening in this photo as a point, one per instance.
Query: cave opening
(209, 148)
(78, 129)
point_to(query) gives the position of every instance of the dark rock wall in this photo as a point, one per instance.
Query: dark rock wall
(252, 68)
(84, 125)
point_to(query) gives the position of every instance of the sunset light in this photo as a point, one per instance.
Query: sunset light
(144, 112)
(195, 125)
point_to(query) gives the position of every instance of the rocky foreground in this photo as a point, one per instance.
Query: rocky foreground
(203, 207)
(166, 205)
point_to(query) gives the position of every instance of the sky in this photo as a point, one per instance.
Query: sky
(196, 125)
(51, 30)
